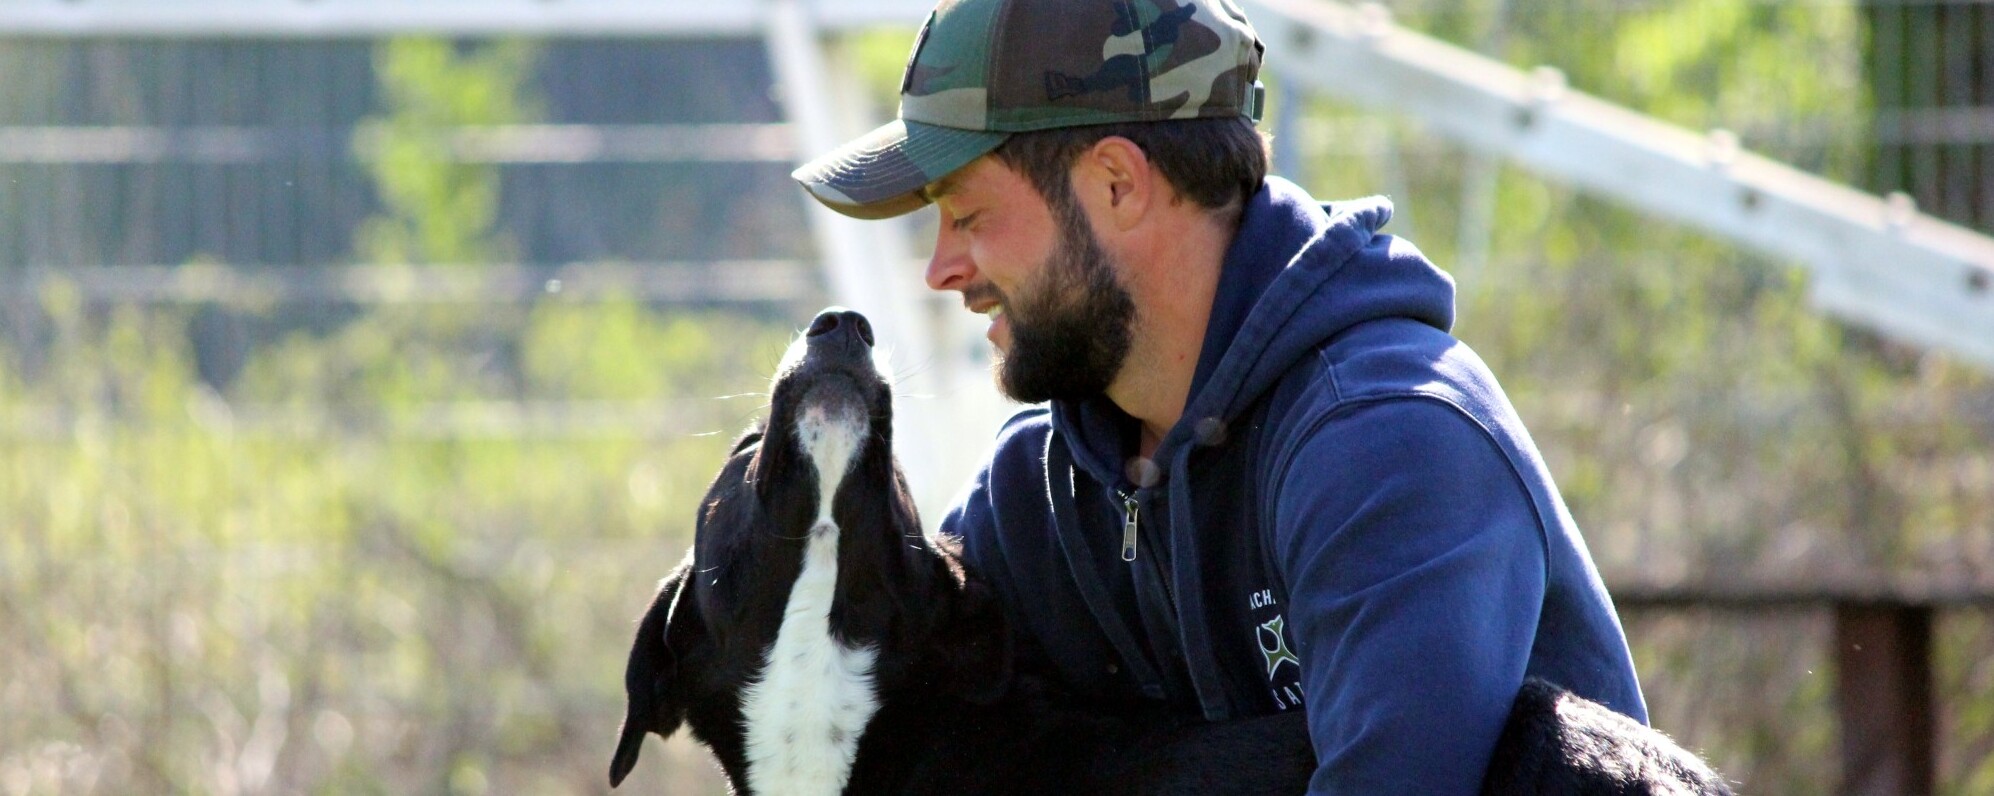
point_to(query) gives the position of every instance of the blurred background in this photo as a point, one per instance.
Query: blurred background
(358, 379)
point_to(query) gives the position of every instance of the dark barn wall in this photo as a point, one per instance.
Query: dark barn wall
(1931, 73)
(240, 151)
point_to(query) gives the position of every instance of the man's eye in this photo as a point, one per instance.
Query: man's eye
(962, 222)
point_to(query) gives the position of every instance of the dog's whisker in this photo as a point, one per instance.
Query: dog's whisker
(751, 416)
(916, 369)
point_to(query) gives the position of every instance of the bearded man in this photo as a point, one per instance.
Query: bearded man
(1265, 477)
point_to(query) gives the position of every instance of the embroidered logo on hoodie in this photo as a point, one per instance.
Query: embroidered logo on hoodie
(1274, 645)
(1284, 667)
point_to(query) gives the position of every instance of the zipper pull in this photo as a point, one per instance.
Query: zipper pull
(1130, 513)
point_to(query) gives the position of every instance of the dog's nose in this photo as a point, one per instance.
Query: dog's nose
(836, 318)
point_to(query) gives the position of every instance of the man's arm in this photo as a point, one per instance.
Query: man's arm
(1415, 565)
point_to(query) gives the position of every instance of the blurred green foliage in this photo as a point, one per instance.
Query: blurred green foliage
(336, 574)
(243, 593)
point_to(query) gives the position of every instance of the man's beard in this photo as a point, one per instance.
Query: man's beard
(1070, 328)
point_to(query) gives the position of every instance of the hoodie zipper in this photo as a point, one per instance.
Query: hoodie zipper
(1131, 534)
(1171, 645)
(1131, 522)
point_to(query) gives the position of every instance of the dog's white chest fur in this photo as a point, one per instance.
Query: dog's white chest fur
(805, 713)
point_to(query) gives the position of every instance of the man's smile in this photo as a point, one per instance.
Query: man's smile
(1000, 326)
(985, 300)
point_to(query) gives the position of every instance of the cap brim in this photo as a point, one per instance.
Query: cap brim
(880, 175)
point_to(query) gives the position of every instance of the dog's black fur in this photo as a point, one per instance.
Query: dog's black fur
(1559, 743)
(953, 717)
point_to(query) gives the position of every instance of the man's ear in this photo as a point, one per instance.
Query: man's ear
(654, 679)
(1115, 182)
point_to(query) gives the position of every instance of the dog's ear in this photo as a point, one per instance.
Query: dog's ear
(670, 630)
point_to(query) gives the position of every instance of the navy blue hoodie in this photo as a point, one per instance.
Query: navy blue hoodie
(1349, 519)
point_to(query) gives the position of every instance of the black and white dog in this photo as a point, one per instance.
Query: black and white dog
(819, 643)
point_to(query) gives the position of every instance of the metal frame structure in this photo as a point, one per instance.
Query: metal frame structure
(337, 18)
(1874, 261)
(515, 143)
(866, 265)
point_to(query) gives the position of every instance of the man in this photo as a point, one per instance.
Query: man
(1266, 477)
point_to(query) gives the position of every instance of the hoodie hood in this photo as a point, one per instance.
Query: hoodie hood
(1297, 274)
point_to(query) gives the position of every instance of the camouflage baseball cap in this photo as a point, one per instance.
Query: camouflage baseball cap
(984, 69)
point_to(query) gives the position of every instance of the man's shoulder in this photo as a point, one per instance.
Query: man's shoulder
(1021, 439)
(1016, 465)
(1391, 359)
(1008, 497)
(1034, 419)
(1363, 384)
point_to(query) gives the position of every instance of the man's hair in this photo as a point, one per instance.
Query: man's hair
(1217, 163)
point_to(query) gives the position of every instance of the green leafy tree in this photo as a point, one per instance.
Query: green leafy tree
(438, 209)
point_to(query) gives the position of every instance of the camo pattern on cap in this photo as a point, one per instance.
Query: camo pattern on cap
(981, 70)
(1059, 63)
(894, 159)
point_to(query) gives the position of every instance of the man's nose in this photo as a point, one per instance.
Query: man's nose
(950, 268)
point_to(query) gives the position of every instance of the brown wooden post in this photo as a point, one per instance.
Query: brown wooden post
(1883, 657)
